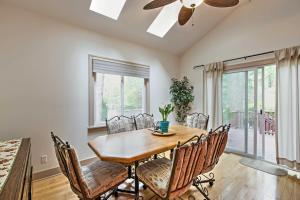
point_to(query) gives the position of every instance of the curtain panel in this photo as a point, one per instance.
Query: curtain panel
(288, 107)
(212, 77)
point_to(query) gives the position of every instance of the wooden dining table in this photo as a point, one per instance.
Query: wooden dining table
(133, 146)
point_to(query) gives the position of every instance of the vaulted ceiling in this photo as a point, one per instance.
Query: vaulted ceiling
(132, 23)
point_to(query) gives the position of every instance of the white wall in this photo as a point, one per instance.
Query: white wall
(44, 79)
(255, 27)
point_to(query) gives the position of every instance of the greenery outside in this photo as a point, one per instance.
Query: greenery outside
(233, 95)
(108, 96)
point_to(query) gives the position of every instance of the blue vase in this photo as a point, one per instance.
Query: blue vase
(164, 126)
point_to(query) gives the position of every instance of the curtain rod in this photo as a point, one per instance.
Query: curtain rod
(244, 57)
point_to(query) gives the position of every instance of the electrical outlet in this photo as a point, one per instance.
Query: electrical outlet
(44, 159)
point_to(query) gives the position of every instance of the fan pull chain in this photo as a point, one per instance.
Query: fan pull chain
(193, 18)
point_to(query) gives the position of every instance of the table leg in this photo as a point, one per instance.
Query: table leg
(129, 172)
(171, 154)
(136, 182)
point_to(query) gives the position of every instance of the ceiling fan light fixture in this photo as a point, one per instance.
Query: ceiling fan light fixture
(191, 3)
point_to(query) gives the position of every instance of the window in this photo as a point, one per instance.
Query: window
(116, 88)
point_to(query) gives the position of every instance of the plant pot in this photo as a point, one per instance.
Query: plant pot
(164, 126)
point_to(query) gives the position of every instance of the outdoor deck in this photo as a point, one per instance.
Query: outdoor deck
(237, 138)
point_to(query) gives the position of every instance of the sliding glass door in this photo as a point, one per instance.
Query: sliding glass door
(249, 106)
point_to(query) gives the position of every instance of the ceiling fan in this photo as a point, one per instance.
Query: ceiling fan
(188, 6)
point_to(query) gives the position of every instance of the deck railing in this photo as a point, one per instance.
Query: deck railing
(269, 126)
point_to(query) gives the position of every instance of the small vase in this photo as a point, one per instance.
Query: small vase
(164, 126)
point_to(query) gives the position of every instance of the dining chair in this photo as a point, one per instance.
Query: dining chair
(170, 179)
(120, 124)
(143, 121)
(197, 120)
(94, 181)
(216, 143)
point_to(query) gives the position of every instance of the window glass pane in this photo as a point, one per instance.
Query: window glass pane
(251, 111)
(233, 102)
(270, 109)
(260, 118)
(133, 96)
(107, 97)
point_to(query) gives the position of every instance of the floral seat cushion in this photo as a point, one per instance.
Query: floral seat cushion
(119, 125)
(196, 121)
(156, 175)
(144, 121)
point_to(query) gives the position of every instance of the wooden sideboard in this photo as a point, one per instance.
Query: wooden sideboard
(18, 184)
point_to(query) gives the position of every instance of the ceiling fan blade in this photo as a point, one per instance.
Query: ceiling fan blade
(222, 3)
(184, 15)
(157, 3)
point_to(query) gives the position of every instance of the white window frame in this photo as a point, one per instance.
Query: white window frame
(92, 79)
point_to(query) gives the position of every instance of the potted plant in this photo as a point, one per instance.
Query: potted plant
(165, 111)
(182, 97)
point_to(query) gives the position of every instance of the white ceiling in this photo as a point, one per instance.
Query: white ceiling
(133, 22)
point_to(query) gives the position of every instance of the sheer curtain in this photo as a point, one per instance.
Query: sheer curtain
(212, 77)
(288, 100)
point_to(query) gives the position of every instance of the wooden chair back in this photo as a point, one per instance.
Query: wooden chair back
(216, 142)
(69, 165)
(60, 154)
(188, 162)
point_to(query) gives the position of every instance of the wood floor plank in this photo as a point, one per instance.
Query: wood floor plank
(233, 182)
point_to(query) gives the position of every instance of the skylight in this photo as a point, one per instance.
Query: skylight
(166, 19)
(108, 8)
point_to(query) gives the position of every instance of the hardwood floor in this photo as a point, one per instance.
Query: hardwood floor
(233, 181)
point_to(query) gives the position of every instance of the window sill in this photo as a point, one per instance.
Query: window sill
(97, 129)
